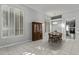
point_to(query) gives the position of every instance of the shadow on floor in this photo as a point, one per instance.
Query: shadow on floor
(56, 45)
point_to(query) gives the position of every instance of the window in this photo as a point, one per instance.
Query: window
(70, 29)
(12, 21)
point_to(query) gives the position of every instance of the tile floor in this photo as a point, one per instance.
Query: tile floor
(42, 47)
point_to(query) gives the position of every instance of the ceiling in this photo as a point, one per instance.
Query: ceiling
(54, 9)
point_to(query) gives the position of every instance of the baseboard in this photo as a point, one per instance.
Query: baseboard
(12, 44)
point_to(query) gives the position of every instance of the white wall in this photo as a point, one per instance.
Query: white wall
(30, 15)
(57, 26)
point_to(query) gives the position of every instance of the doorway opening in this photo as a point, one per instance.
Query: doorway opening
(70, 29)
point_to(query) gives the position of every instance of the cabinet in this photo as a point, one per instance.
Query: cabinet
(36, 31)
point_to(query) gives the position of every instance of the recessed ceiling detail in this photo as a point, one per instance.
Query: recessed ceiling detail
(56, 17)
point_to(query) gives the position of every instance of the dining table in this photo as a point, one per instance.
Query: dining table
(55, 36)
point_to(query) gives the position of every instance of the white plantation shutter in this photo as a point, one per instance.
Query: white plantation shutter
(12, 21)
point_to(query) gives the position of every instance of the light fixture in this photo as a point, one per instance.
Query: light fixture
(55, 22)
